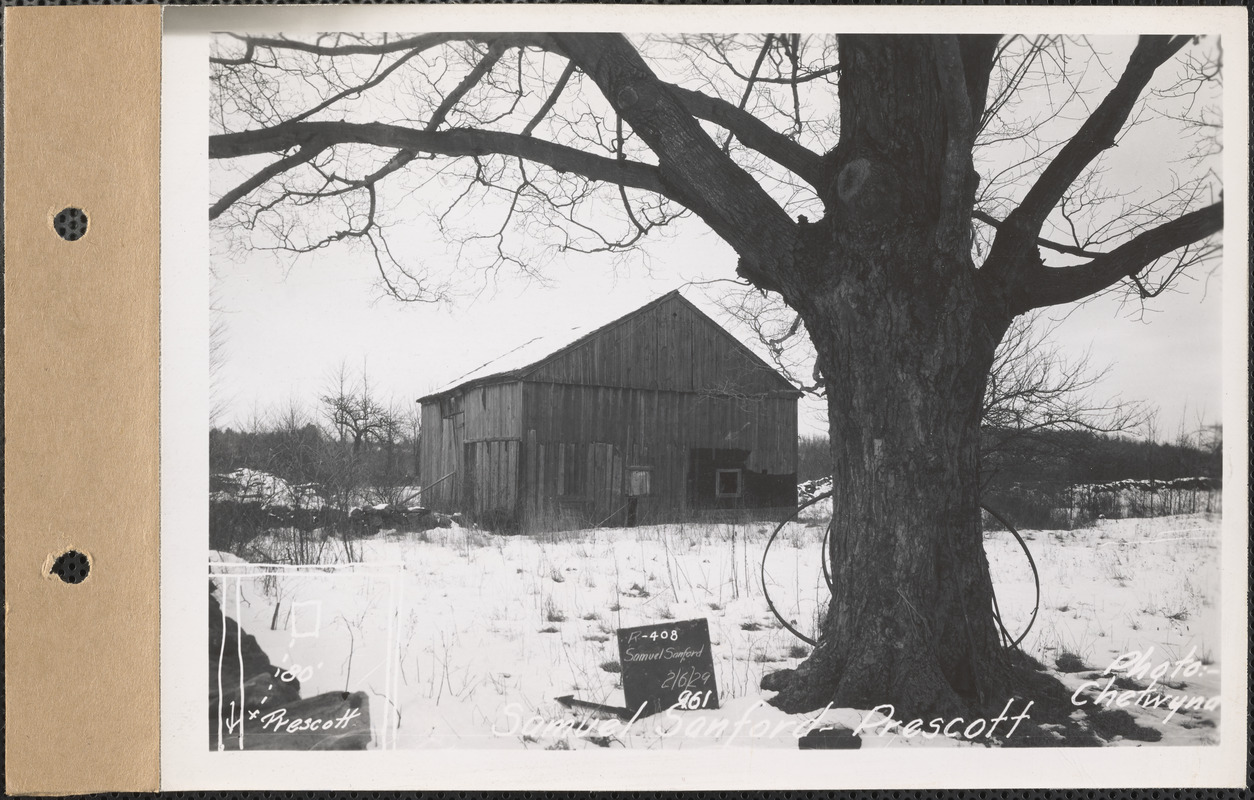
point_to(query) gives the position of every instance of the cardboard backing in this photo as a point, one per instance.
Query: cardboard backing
(82, 102)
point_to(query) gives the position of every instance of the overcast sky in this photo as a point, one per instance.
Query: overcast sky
(290, 325)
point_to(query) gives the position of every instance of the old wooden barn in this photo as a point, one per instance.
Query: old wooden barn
(660, 415)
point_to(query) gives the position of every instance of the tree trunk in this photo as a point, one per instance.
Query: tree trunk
(910, 621)
(905, 339)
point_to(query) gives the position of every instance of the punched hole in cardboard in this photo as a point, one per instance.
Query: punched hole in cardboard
(71, 567)
(70, 224)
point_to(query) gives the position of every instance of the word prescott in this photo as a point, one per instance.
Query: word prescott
(953, 728)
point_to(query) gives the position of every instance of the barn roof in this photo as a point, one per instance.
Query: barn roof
(534, 353)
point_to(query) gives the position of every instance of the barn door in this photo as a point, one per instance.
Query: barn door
(469, 478)
(490, 480)
(605, 483)
(455, 435)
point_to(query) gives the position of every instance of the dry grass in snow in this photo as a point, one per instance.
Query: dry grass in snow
(469, 643)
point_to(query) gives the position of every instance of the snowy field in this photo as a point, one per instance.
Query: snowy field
(464, 639)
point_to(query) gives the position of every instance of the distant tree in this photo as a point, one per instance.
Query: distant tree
(907, 196)
(411, 421)
(1032, 385)
(1211, 438)
(814, 458)
(356, 414)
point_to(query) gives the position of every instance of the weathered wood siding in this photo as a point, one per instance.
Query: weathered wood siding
(490, 481)
(439, 453)
(666, 346)
(664, 388)
(482, 424)
(641, 428)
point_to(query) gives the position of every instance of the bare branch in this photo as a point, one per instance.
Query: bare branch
(301, 156)
(1047, 286)
(691, 166)
(356, 90)
(421, 42)
(449, 142)
(757, 65)
(1015, 243)
(552, 100)
(794, 79)
(753, 133)
(1057, 247)
(473, 77)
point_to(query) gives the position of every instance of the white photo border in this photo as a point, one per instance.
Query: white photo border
(186, 762)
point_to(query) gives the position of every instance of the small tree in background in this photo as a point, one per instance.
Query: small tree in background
(354, 458)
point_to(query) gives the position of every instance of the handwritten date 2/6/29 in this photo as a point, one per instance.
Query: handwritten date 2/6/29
(686, 678)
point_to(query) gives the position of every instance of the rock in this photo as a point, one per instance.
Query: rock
(255, 661)
(829, 739)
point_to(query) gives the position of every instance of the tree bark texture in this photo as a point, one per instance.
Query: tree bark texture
(910, 618)
(886, 288)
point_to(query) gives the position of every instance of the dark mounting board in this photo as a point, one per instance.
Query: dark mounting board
(668, 664)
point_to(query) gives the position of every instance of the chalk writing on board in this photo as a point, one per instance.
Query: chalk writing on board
(668, 666)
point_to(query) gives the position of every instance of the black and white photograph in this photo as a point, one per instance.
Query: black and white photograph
(622, 388)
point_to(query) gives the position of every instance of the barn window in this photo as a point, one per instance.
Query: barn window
(728, 483)
(639, 481)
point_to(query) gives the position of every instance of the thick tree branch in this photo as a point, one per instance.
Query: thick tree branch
(1098, 131)
(692, 171)
(753, 133)
(954, 229)
(317, 136)
(1047, 286)
(249, 48)
(303, 155)
(1017, 236)
(423, 41)
(695, 172)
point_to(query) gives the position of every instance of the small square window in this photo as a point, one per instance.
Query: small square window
(727, 483)
(639, 481)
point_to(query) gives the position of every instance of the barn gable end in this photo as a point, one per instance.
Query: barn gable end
(659, 415)
(668, 344)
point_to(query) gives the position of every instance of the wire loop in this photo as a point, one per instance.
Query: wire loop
(828, 568)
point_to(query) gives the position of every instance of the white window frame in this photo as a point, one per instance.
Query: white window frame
(740, 483)
(649, 480)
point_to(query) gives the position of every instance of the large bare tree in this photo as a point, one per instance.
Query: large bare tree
(854, 176)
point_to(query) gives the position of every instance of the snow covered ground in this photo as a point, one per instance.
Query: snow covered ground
(463, 638)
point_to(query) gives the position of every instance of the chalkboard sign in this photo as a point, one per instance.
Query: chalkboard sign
(668, 665)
